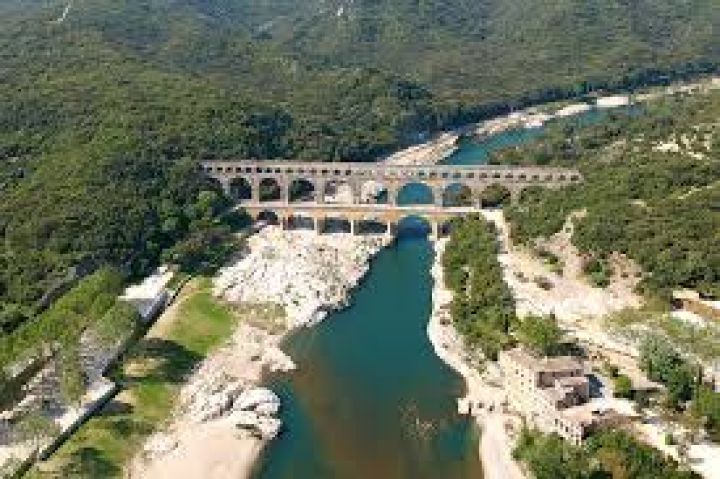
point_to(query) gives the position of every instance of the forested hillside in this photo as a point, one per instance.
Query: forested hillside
(107, 104)
(651, 192)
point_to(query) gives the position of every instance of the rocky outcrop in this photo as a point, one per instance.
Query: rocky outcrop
(306, 273)
(219, 396)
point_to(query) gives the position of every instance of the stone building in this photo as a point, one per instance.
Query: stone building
(551, 393)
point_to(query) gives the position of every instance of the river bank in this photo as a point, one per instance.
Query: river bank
(284, 280)
(445, 145)
(538, 116)
(484, 394)
(427, 153)
(577, 304)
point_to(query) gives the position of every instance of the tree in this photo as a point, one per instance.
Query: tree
(662, 363)
(73, 382)
(707, 406)
(551, 457)
(117, 323)
(658, 358)
(541, 334)
(623, 387)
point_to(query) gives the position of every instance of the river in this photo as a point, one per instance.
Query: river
(370, 399)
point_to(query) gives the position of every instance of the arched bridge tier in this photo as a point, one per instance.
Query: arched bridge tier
(310, 181)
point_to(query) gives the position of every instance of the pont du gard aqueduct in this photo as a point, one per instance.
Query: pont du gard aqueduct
(357, 193)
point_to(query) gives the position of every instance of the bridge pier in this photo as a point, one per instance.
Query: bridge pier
(320, 186)
(392, 193)
(435, 233)
(225, 183)
(284, 190)
(438, 195)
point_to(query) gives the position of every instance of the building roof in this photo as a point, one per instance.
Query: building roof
(593, 413)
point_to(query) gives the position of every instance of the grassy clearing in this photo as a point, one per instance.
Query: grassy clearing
(151, 376)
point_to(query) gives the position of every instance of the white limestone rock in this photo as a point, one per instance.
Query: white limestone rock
(159, 445)
(254, 423)
(260, 400)
(210, 397)
(324, 270)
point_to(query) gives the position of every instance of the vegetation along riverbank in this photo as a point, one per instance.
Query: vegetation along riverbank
(641, 228)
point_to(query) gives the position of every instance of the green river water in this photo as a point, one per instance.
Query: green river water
(370, 399)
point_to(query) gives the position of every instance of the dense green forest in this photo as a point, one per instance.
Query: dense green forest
(658, 207)
(106, 109)
(482, 308)
(606, 454)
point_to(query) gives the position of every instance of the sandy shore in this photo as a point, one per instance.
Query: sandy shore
(286, 280)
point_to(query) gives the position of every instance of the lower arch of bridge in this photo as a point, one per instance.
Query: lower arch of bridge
(457, 194)
(302, 189)
(371, 226)
(413, 226)
(240, 189)
(300, 221)
(335, 224)
(268, 216)
(270, 190)
(415, 193)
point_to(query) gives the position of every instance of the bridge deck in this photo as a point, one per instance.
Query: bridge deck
(311, 206)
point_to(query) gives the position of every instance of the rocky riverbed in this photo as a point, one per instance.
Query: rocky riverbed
(284, 280)
(306, 273)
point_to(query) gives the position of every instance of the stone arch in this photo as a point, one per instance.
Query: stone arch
(240, 189)
(270, 189)
(457, 194)
(415, 193)
(371, 226)
(300, 221)
(374, 192)
(269, 217)
(217, 183)
(337, 191)
(336, 224)
(413, 226)
(495, 195)
(302, 190)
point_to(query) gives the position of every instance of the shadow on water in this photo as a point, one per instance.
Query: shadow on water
(370, 398)
(413, 227)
